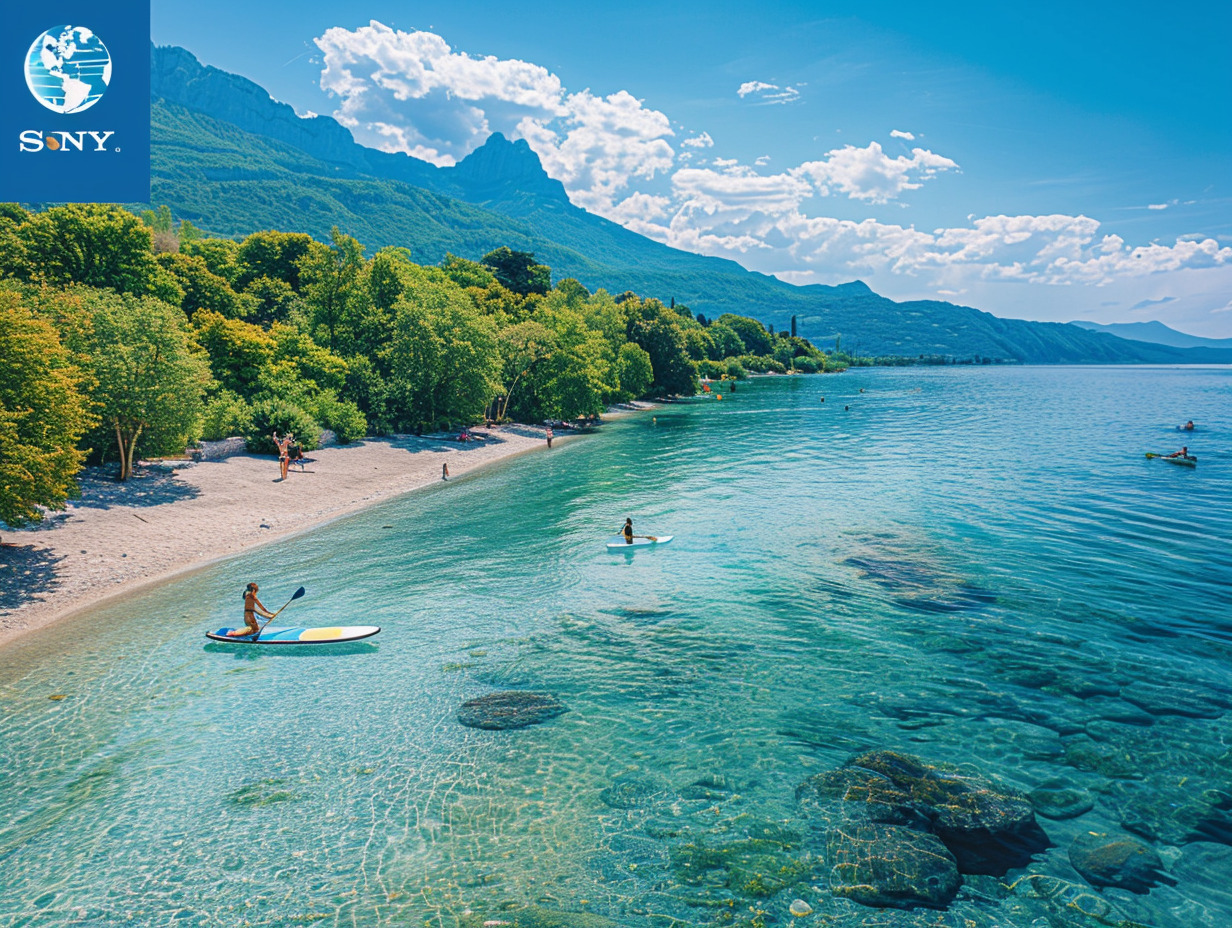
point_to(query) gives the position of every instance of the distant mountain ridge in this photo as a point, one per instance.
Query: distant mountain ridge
(234, 161)
(1155, 333)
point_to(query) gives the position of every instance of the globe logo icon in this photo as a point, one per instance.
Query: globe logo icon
(68, 69)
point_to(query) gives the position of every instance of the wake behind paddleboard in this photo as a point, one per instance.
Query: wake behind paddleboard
(618, 543)
(298, 635)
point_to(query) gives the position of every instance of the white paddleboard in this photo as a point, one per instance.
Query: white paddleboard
(618, 543)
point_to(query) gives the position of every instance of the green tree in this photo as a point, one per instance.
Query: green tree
(444, 363)
(273, 300)
(517, 271)
(332, 282)
(150, 376)
(727, 343)
(43, 415)
(466, 273)
(634, 370)
(221, 256)
(238, 351)
(102, 246)
(751, 332)
(664, 342)
(273, 254)
(202, 288)
(523, 346)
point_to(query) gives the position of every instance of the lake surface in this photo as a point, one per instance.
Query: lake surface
(976, 566)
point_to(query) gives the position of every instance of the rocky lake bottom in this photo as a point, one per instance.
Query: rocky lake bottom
(872, 682)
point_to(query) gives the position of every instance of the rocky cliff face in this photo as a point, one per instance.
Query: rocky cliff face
(491, 172)
(178, 77)
(499, 165)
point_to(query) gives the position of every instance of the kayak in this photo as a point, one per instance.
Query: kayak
(1190, 461)
(618, 543)
(299, 635)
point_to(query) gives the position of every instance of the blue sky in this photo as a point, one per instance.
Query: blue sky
(1044, 161)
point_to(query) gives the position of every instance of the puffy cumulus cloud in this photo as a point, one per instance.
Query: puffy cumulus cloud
(900, 134)
(762, 92)
(607, 142)
(736, 212)
(411, 92)
(870, 174)
(700, 141)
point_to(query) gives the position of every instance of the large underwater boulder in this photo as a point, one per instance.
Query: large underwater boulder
(511, 709)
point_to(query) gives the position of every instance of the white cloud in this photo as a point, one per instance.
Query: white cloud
(749, 87)
(767, 93)
(413, 93)
(701, 141)
(872, 175)
(410, 92)
(1157, 206)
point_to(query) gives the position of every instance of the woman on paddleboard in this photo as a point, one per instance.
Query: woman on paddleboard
(252, 606)
(627, 531)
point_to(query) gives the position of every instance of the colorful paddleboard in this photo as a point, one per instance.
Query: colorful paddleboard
(618, 543)
(275, 635)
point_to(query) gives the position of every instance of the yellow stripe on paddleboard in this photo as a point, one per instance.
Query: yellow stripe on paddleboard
(321, 634)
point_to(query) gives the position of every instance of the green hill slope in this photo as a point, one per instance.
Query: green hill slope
(233, 161)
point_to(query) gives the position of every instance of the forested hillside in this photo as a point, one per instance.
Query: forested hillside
(254, 164)
(126, 335)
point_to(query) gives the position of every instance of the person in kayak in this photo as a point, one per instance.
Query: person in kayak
(627, 531)
(252, 606)
(1183, 453)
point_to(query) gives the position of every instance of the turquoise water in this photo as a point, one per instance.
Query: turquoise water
(977, 566)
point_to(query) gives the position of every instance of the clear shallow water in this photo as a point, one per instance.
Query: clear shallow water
(977, 566)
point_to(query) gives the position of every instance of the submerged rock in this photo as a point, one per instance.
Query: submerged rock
(799, 908)
(987, 828)
(1173, 809)
(534, 916)
(1122, 862)
(1064, 904)
(511, 709)
(635, 791)
(1172, 699)
(865, 794)
(889, 865)
(757, 867)
(1058, 799)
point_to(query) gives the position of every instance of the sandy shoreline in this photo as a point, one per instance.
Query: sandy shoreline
(178, 516)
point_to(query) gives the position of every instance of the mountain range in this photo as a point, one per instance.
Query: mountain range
(1155, 333)
(233, 161)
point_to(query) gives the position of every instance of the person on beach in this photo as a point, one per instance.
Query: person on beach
(549, 436)
(444, 471)
(252, 606)
(1183, 453)
(295, 452)
(282, 444)
(627, 531)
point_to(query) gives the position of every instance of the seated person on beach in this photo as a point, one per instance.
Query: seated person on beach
(1183, 453)
(295, 452)
(627, 531)
(252, 606)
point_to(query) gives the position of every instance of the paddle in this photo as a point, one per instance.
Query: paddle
(296, 595)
